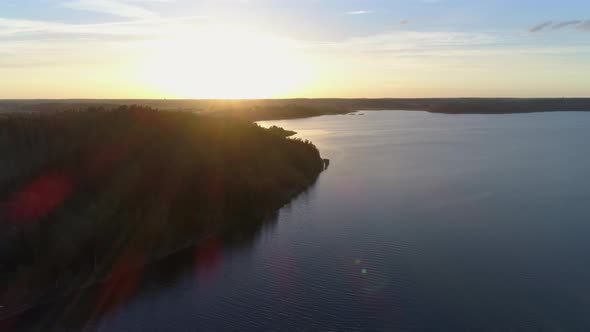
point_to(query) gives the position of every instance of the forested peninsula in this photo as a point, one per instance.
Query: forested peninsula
(87, 194)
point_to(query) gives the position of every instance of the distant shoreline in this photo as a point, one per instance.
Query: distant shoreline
(280, 109)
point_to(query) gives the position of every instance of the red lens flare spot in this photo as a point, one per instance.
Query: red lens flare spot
(207, 258)
(39, 197)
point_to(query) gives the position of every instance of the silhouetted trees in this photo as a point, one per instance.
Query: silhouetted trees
(81, 190)
(281, 131)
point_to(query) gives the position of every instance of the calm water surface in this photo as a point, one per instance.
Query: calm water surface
(423, 222)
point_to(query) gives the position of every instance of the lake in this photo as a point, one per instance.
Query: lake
(423, 222)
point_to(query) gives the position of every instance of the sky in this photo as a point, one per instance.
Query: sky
(294, 48)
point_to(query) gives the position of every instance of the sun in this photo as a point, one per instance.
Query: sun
(224, 62)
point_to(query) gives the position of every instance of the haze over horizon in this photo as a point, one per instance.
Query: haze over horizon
(282, 49)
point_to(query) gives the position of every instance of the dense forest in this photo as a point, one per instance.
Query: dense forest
(85, 193)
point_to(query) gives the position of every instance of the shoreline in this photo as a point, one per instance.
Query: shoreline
(282, 109)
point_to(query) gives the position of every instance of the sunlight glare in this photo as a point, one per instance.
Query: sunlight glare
(223, 62)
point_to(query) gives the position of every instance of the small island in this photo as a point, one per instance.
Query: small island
(85, 192)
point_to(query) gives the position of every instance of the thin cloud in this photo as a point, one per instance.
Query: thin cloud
(585, 26)
(565, 24)
(439, 44)
(18, 28)
(27, 43)
(578, 24)
(113, 7)
(540, 26)
(360, 12)
(398, 43)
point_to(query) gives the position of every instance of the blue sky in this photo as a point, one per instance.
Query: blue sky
(332, 48)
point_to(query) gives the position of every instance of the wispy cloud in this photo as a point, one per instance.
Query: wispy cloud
(29, 43)
(541, 26)
(578, 24)
(29, 29)
(584, 26)
(409, 43)
(565, 24)
(120, 8)
(359, 12)
(441, 44)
